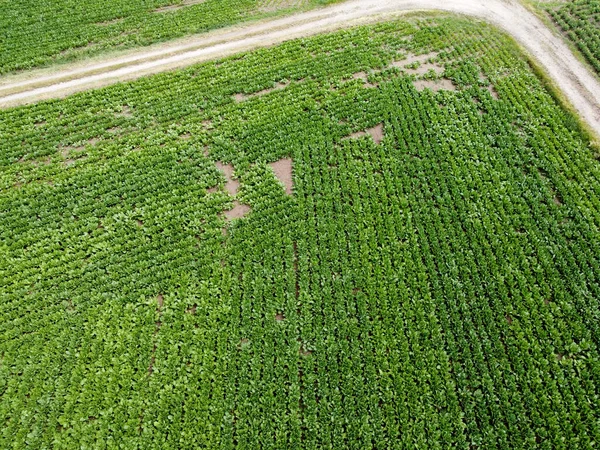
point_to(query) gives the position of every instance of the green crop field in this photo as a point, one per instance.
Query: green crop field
(580, 20)
(430, 279)
(40, 33)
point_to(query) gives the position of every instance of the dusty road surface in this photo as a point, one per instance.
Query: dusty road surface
(578, 84)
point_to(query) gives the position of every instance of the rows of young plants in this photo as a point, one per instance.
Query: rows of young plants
(34, 34)
(580, 20)
(438, 289)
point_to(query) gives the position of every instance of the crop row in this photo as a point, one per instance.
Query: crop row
(434, 288)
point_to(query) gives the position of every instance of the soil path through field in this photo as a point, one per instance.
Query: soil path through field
(578, 84)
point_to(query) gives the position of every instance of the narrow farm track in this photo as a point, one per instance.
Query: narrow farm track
(578, 84)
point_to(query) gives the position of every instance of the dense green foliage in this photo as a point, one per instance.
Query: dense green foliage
(580, 20)
(36, 33)
(437, 289)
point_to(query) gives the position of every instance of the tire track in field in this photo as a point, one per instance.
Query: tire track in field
(578, 84)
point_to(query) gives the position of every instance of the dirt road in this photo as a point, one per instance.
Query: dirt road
(578, 84)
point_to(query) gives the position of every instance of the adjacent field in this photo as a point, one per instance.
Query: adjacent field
(34, 34)
(430, 280)
(580, 20)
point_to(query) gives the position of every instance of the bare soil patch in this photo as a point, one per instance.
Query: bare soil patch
(126, 111)
(490, 87)
(493, 92)
(242, 97)
(232, 186)
(238, 210)
(283, 172)
(412, 58)
(375, 132)
(424, 68)
(420, 64)
(365, 77)
(435, 85)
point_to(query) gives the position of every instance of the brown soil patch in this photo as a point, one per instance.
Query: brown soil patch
(509, 319)
(232, 186)
(191, 310)
(489, 86)
(435, 85)
(126, 111)
(279, 317)
(419, 64)
(425, 68)
(238, 210)
(181, 5)
(376, 133)
(493, 92)
(37, 162)
(65, 151)
(412, 58)
(242, 97)
(283, 172)
(160, 300)
(365, 77)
